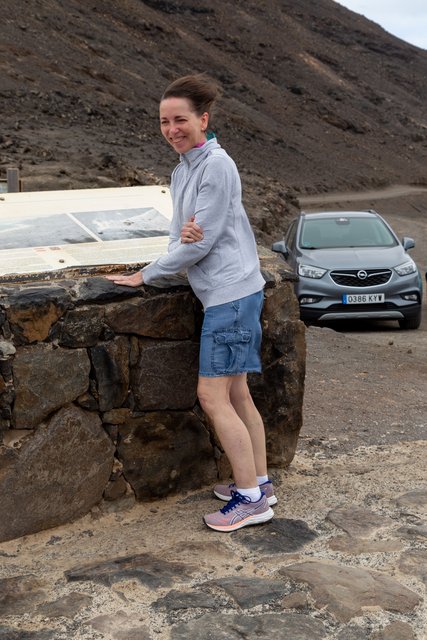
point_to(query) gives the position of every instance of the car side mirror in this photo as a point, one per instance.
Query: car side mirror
(408, 243)
(280, 247)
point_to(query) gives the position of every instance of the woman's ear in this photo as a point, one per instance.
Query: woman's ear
(204, 120)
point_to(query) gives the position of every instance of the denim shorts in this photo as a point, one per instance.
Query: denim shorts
(230, 343)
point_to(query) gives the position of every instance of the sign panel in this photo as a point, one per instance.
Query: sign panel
(50, 230)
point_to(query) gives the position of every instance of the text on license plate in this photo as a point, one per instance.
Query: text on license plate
(363, 298)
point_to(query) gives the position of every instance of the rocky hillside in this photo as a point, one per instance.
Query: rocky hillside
(315, 96)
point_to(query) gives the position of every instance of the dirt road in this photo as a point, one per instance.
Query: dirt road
(391, 192)
(367, 383)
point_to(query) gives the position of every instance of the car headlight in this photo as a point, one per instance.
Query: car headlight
(308, 271)
(406, 268)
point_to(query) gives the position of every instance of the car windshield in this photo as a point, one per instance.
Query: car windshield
(345, 232)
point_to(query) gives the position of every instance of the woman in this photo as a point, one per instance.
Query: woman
(212, 239)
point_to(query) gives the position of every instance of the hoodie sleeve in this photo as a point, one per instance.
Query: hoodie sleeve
(175, 228)
(174, 236)
(211, 211)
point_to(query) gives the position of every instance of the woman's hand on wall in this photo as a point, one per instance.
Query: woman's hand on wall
(191, 232)
(134, 280)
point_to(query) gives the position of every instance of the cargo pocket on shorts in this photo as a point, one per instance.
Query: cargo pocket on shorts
(230, 350)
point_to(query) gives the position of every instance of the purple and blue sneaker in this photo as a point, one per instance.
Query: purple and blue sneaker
(239, 512)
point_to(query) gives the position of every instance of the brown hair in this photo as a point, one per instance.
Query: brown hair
(199, 89)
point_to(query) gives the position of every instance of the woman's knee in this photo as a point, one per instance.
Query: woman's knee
(211, 394)
(239, 392)
(205, 398)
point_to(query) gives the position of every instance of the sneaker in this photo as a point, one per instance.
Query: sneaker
(224, 491)
(240, 512)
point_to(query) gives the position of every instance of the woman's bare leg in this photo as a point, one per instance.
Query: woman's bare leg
(245, 408)
(232, 432)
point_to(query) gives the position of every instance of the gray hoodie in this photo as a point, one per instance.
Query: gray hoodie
(224, 266)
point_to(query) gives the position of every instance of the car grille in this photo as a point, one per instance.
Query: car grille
(353, 308)
(361, 277)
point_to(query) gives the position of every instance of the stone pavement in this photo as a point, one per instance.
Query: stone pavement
(345, 558)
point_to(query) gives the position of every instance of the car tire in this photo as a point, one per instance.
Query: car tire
(410, 323)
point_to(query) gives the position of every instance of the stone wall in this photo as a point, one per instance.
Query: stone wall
(98, 393)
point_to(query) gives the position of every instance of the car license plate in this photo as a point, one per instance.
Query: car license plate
(363, 298)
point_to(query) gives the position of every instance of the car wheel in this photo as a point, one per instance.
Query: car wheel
(411, 323)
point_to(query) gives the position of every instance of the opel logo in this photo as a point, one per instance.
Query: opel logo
(362, 275)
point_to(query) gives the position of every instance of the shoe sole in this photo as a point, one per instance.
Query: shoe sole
(250, 520)
(272, 500)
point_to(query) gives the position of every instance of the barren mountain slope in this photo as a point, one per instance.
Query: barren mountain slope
(315, 96)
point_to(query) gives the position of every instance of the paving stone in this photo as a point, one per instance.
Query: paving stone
(8, 633)
(281, 535)
(358, 522)
(414, 500)
(68, 606)
(414, 562)
(395, 631)
(250, 592)
(20, 594)
(134, 633)
(345, 591)
(285, 626)
(412, 532)
(213, 552)
(352, 633)
(175, 600)
(295, 600)
(347, 544)
(149, 570)
(119, 626)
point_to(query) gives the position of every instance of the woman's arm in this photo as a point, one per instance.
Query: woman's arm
(211, 215)
(195, 239)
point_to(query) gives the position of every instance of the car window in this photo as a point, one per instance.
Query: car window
(345, 231)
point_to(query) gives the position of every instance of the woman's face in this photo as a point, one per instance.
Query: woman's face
(180, 125)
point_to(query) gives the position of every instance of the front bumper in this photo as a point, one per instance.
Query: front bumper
(330, 306)
(362, 313)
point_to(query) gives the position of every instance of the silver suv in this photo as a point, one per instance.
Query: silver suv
(351, 265)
